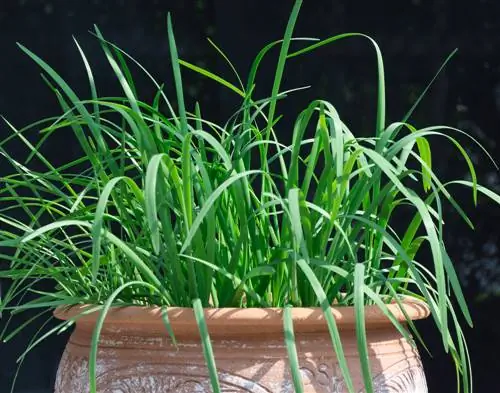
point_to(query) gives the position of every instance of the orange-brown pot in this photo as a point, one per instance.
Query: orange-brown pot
(136, 355)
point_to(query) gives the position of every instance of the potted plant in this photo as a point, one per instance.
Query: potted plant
(195, 256)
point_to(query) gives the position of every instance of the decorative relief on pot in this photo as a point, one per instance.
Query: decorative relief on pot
(153, 383)
(321, 378)
(407, 380)
(152, 380)
(398, 378)
(72, 377)
(72, 374)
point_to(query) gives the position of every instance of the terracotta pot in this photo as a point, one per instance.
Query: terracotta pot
(136, 355)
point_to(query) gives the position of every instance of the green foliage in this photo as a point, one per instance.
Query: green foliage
(170, 209)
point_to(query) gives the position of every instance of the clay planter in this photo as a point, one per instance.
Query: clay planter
(136, 355)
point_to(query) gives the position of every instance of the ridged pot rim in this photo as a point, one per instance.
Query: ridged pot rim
(270, 318)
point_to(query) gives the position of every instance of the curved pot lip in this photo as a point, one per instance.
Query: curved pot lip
(305, 316)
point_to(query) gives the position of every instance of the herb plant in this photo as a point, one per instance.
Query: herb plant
(167, 208)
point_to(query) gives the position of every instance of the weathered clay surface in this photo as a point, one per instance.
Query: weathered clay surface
(136, 356)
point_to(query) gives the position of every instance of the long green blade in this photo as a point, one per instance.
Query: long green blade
(291, 348)
(359, 307)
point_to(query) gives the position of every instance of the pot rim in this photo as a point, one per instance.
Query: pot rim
(263, 317)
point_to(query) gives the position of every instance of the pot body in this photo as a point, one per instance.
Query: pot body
(136, 354)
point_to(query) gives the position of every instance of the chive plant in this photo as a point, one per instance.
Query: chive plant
(167, 208)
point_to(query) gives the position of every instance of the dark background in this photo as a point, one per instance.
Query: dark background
(415, 37)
